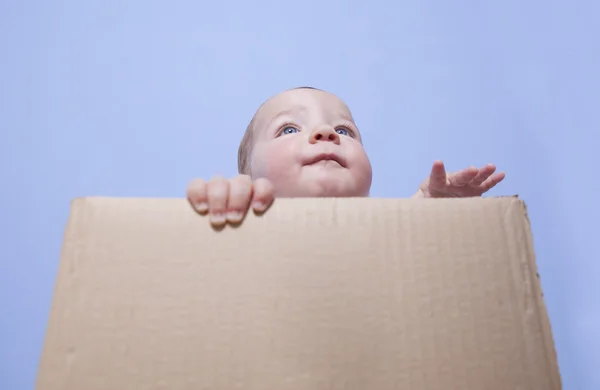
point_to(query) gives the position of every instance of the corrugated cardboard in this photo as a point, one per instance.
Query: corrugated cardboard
(315, 294)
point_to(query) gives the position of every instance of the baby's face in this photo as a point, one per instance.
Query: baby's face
(306, 144)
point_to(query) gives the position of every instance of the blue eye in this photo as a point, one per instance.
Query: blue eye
(342, 131)
(289, 130)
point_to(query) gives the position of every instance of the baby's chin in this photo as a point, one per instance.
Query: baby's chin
(322, 187)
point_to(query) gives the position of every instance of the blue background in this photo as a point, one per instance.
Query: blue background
(135, 98)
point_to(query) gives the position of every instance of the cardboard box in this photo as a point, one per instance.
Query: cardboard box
(315, 294)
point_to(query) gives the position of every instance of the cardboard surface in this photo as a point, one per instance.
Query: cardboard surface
(316, 294)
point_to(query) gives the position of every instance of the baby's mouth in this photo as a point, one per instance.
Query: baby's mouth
(326, 159)
(327, 163)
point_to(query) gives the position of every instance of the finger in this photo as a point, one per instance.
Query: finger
(483, 174)
(218, 192)
(197, 195)
(240, 193)
(493, 180)
(462, 178)
(263, 195)
(438, 177)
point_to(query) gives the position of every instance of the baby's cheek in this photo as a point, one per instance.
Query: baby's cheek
(279, 162)
(274, 163)
(365, 165)
(363, 171)
(259, 162)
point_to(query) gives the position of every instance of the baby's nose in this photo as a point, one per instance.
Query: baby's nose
(324, 134)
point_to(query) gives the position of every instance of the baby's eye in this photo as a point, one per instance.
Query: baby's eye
(289, 130)
(342, 131)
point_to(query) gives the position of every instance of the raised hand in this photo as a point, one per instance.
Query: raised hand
(468, 182)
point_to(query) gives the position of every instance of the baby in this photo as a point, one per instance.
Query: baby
(303, 142)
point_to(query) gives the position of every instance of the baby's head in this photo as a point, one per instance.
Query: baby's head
(305, 142)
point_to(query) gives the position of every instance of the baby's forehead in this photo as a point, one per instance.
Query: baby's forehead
(302, 101)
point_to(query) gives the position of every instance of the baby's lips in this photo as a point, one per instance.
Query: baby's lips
(326, 156)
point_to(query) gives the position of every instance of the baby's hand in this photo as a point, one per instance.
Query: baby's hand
(229, 200)
(466, 183)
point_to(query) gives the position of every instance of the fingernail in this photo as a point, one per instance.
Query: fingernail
(234, 216)
(259, 206)
(217, 218)
(201, 207)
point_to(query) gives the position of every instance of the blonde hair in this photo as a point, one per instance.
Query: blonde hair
(247, 142)
(245, 149)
